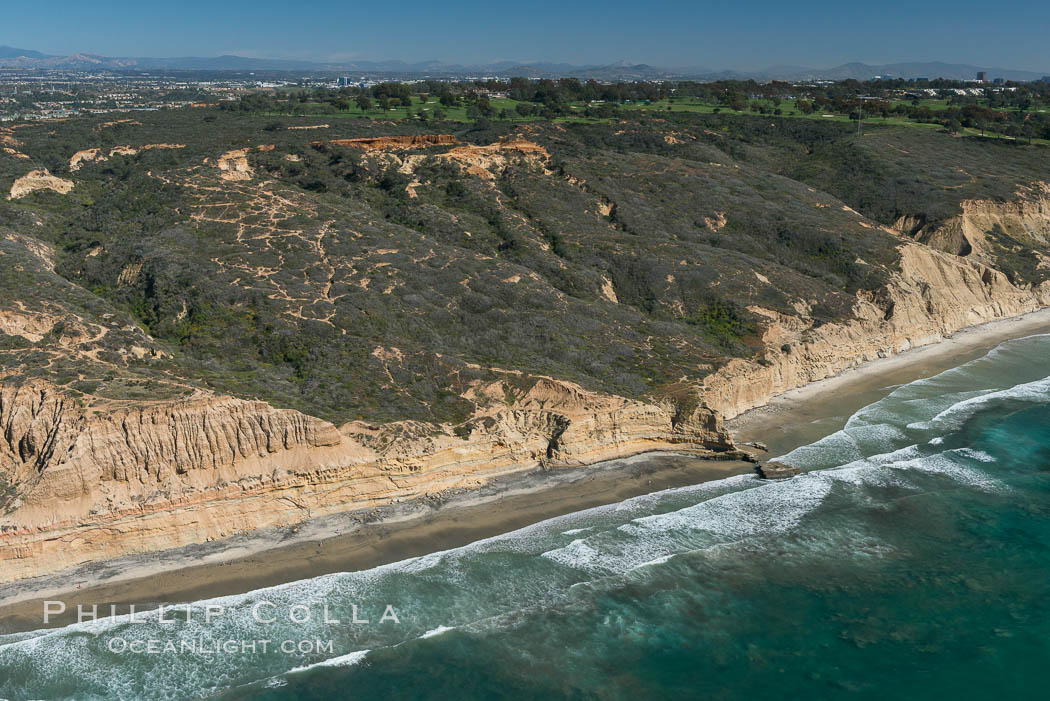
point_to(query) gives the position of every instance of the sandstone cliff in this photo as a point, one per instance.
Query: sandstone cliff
(934, 295)
(133, 479)
(81, 484)
(1025, 219)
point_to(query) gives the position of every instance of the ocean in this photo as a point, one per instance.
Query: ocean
(911, 560)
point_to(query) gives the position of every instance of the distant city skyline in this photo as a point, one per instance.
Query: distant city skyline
(666, 33)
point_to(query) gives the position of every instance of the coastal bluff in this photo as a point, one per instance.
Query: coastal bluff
(933, 295)
(206, 333)
(145, 478)
(85, 486)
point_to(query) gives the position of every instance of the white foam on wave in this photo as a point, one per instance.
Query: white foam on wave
(837, 448)
(889, 468)
(733, 509)
(978, 455)
(436, 631)
(349, 585)
(957, 414)
(773, 508)
(580, 555)
(938, 403)
(347, 660)
(862, 473)
(653, 562)
(943, 464)
(844, 447)
(768, 508)
(11, 638)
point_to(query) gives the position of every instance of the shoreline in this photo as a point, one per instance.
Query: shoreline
(352, 540)
(357, 540)
(805, 414)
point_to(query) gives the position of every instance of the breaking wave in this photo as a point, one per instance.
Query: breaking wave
(907, 443)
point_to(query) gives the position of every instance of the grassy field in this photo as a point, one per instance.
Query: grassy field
(427, 107)
(431, 105)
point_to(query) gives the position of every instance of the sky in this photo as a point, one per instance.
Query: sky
(666, 33)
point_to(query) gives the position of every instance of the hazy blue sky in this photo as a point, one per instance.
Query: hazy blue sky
(820, 33)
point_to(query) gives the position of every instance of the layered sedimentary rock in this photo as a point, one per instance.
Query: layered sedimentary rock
(85, 483)
(480, 161)
(485, 161)
(934, 295)
(81, 486)
(1025, 219)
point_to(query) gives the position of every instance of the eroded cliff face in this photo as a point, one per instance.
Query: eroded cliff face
(98, 155)
(38, 180)
(79, 486)
(1025, 219)
(233, 165)
(934, 295)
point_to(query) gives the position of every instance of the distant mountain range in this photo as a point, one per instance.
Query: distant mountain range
(11, 57)
(23, 58)
(930, 69)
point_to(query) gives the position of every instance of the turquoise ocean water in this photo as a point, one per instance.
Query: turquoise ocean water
(910, 561)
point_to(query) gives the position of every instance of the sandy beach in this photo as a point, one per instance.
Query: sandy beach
(808, 413)
(358, 540)
(350, 541)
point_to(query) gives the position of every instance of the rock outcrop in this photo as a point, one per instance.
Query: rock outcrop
(1025, 219)
(394, 143)
(93, 485)
(481, 161)
(774, 470)
(233, 165)
(39, 180)
(934, 295)
(30, 325)
(486, 161)
(132, 150)
(98, 155)
(90, 155)
(116, 122)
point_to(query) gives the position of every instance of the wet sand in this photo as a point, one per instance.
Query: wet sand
(804, 415)
(361, 540)
(350, 541)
